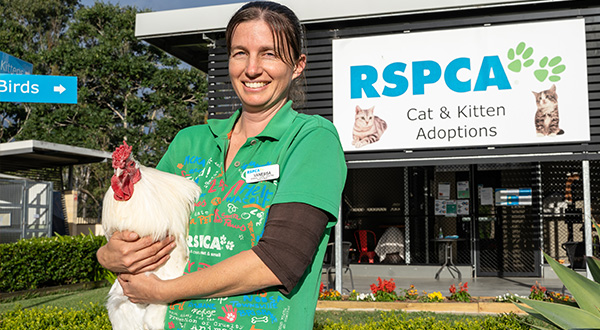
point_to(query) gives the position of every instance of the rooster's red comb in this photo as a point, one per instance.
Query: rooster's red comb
(120, 155)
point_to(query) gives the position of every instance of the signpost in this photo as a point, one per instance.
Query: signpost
(38, 89)
(13, 65)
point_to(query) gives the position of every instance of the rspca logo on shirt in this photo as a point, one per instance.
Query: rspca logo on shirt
(263, 173)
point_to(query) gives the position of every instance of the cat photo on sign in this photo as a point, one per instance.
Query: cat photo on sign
(368, 128)
(546, 116)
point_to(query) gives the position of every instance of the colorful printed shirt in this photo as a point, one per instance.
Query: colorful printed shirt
(297, 158)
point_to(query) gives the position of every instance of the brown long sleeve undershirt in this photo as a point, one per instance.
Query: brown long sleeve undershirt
(291, 236)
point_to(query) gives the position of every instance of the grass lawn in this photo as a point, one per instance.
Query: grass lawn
(82, 298)
(72, 299)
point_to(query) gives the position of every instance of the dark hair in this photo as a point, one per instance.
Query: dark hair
(288, 35)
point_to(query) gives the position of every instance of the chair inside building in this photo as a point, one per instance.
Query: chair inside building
(366, 240)
(329, 262)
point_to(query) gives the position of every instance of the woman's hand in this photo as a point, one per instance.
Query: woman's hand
(143, 288)
(126, 252)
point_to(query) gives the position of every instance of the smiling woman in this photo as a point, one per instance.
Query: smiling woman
(258, 73)
(258, 233)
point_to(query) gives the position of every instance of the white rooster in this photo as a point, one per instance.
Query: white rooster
(150, 203)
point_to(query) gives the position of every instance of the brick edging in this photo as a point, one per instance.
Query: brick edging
(441, 307)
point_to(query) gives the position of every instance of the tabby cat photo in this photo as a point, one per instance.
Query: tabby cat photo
(368, 128)
(546, 116)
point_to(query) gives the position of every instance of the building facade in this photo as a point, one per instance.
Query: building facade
(464, 137)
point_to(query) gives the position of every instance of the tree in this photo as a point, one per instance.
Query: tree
(29, 30)
(127, 89)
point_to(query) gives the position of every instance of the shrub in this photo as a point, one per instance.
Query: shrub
(92, 317)
(584, 314)
(401, 320)
(49, 261)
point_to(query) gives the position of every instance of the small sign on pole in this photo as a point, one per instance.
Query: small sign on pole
(38, 89)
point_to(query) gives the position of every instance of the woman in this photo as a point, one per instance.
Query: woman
(272, 181)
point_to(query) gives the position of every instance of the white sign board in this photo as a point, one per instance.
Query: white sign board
(491, 85)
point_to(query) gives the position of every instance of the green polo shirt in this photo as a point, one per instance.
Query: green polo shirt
(230, 215)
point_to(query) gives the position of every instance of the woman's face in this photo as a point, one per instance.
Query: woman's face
(259, 77)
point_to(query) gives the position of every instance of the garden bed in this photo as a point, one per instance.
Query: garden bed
(482, 306)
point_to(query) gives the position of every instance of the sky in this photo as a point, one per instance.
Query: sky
(158, 5)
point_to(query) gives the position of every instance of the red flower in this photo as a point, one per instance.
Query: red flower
(452, 289)
(374, 288)
(389, 286)
(321, 288)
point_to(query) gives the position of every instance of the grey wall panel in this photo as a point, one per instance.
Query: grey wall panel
(222, 99)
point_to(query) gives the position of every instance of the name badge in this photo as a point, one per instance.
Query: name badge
(263, 173)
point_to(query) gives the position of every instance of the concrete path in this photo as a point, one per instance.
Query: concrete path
(477, 287)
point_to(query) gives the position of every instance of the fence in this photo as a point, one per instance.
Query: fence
(25, 209)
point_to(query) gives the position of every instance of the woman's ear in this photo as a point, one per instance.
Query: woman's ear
(299, 67)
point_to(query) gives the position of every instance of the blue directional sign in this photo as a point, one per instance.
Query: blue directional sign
(13, 65)
(38, 89)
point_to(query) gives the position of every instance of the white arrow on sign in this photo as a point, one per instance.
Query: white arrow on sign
(60, 89)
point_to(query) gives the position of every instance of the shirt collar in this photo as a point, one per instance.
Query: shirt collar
(275, 128)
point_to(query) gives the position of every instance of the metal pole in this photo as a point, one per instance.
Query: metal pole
(338, 252)
(407, 220)
(587, 212)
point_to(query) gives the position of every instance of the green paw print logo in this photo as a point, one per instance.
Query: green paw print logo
(520, 57)
(550, 69)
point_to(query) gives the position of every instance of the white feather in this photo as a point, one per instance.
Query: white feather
(160, 205)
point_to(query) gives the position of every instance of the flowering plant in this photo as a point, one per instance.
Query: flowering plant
(432, 297)
(557, 297)
(411, 293)
(384, 290)
(461, 295)
(537, 292)
(329, 294)
(508, 297)
(361, 296)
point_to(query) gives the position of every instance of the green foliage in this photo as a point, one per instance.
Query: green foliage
(94, 317)
(402, 320)
(126, 88)
(42, 262)
(537, 292)
(431, 297)
(384, 290)
(67, 299)
(91, 317)
(462, 294)
(411, 293)
(567, 315)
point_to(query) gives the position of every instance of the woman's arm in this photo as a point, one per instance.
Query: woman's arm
(241, 273)
(291, 236)
(126, 252)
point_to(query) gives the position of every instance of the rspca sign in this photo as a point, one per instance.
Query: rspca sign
(13, 65)
(483, 86)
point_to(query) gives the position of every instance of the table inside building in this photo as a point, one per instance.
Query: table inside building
(448, 263)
